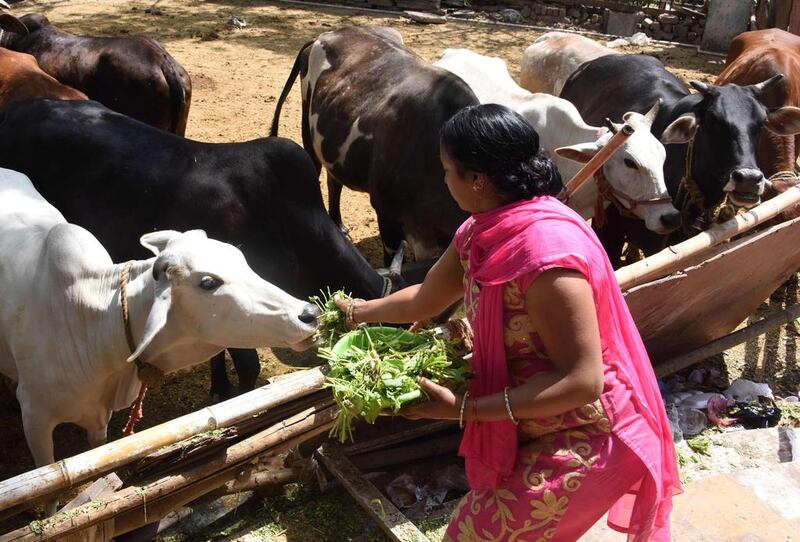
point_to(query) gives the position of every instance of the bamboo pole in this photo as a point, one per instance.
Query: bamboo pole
(25, 490)
(136, 506)
(599, 159)
(670, 259)
(728, 341)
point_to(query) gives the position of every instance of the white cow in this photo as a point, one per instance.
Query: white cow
(549, 61)
(635, 170)
(62, 337)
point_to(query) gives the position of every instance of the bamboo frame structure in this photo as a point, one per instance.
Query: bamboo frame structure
(135, 506)
(674, 257)
(27, 489)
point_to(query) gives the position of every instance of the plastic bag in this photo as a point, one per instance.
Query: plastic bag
(743, 390)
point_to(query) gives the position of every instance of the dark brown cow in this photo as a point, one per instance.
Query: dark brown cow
(754, 57)
(372, 110)
(132, 75)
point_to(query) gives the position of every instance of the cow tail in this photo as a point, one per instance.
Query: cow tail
(273, 131)
(180, 95)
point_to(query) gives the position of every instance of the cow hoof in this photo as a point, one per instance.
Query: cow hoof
(227, 392)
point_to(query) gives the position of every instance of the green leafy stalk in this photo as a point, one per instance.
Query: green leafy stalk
(374, 369)
(331, 320)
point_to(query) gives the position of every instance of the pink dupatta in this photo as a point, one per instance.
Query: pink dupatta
(531, 237)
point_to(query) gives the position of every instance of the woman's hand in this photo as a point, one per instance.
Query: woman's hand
(347, 306)
(443, 403)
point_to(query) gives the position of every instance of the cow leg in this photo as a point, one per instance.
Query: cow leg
(391, 235)
(39, 436)
(334, 202)
(221, 387)
(248, 367)
(98, 437)
(612, 242)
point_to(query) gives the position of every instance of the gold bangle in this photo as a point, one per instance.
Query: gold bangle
(461, 410)
(508, 407)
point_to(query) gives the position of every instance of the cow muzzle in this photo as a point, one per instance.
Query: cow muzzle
(745, 186)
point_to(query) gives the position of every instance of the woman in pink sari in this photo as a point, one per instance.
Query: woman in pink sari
(563, 420)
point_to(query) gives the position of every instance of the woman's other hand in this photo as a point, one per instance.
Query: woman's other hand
(442, 405)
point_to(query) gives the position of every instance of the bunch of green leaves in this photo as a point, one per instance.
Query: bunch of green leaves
(375, 369)
(332, 319)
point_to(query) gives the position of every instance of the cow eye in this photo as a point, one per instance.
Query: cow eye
(209, 283)
(631, 164)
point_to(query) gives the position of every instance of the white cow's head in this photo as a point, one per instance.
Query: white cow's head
(636, 170)
(206, 293)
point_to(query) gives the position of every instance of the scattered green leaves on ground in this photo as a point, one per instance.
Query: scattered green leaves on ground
(700, 445)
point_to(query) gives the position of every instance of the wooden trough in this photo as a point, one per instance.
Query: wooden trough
(685, 301)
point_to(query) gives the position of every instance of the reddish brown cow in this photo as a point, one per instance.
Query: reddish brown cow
(754, 57)
(135, 76)
(22, 79)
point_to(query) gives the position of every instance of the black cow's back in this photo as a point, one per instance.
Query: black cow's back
(121, 178)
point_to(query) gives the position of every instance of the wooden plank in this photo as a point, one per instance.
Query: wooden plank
(100, 532)
(99, 489)
(381, 509)
(728, 341)
(417, 431)
(681, 312)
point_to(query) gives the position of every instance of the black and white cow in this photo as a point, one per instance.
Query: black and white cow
(720, 126)
(120, 178)
(372, 110)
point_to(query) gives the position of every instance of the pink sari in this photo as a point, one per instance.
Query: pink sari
(524, 239)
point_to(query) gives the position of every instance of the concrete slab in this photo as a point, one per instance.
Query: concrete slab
(752, 505)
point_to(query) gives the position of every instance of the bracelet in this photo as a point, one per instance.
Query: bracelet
(348, 315)
(508, 407)
(461, 410)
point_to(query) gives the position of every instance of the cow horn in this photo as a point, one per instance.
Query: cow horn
(651, 115)
(613, 126)
(699, 86)
(763, 86)
(397, 260)
(9, 23)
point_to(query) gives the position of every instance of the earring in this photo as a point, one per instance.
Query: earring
(477, 186)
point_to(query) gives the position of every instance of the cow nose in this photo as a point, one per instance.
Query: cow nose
(747, 179)
(310, 314)
(671, 220)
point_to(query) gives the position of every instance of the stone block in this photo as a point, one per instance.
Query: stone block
(725, 21)
(647, 21)
(574, 13)
(666, 27)
(668, 18)
(620, 24)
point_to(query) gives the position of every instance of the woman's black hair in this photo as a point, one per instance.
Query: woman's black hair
(499, 142)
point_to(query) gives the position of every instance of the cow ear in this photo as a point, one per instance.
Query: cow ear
(9, 23)
(157, 241)
(681, 130)
(784, 121)
(582, 152)
(157, 319)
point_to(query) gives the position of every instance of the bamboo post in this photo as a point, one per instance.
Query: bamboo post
(136, 506)
(728, 341)
(669, 259)
(599, 159)
(25, 490)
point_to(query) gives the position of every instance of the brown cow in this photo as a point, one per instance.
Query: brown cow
(132, 75)
(754, 57)
(22, 79)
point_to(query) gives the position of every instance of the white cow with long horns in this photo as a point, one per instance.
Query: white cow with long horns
(634, 174)
(62, 330)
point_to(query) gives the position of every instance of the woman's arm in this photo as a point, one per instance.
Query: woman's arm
(441, 288)
(561, 308)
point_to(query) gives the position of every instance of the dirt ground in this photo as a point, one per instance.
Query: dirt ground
(237, 75)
